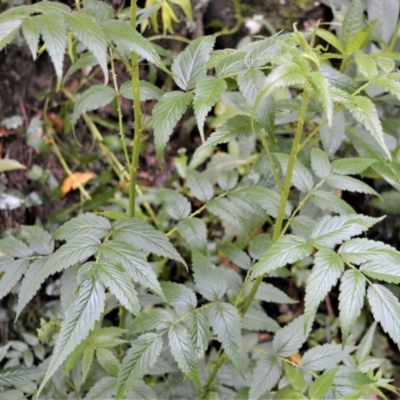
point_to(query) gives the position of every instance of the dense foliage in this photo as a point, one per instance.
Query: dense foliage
(164, 294)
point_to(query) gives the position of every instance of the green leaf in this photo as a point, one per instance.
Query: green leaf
(234, 128)
(99, 9)
(179, 296)
(353, 22)
(227, 180)
(271, 294)
(230, 64)
(207, 92)
(209, 280)
(366, 65)
(184, 352)
(386, 309)
(199, 332)
(330, 38)
(226, 210)
(85, 60)
(365, 346)
(91, 99)
(113, 276)
(108, 361)
(126, 37)
(295, 377)
(31, 30)
(257, 320)
(8, 29)
(87, 30)
(166, 114)
(250, 82)
(19, 375)
(190, 65)
(177, 206)
(365, 113)
(350, 184)
(320, 163)
(351, 299)
(289, 339)
(14, 247)
(133, 262)
(87, 224)
(53, 30)
(384, 269)
(386, 12)
(266, 375)
(138, 360)
(143, 236)
(8, 164)
(80, 319)
(287, 250)
(39, 240)
(102, 389)
(320, 358)
(331, 231)
(148, 91)
(389, 85)
(259, 53)
(322, 384)
(199, 186)
(236, 255)
(265, 114)
(332, 137)
(301, 178)
(225, 321)
(351, 166)
(87, 361)
(328, 267)
(194, 232)
(12, 274)
(330, 202)
(321, 88)
(288, 392)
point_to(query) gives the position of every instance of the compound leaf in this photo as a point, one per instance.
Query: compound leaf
(289, 339)
(323, 357)
(266, 375)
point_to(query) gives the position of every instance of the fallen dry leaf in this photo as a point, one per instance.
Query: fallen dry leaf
(72, 182)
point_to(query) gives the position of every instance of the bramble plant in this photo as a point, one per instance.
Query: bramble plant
(275, 192)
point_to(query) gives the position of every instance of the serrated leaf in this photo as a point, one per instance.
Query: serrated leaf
(351, 166)
(87, 30)
(353, 22)
(12, 274)
(236, 255)
(265, 114)
(148, 91)
(19, 375)
(320, 163)
(133, 262)
(194, 232)
(39, 240)
(138, 360)
(266, 375)
(199, 186)
(271, 294)
(155, 319)
(225, 322)
(330, 202)
(321, 88)
(100, 9)
(85, 60)
(295, 377)
(207, 92)
(31, 30)
(320, 358)
(366, 65)
(350, 184)
(388, 85)
(330, 38)
(87, 361)
(230, 64)
(102, 389)
(257, 320)
(250, 81)
(209, 280)
(87, 224)
(226, 210)
(199, 332)
(289, 339)
(166, 114)
(331, 231)
(53, 30)
(328, 267)
(260, 52)
(84, 311)
(124, 35)
(339, 80)
(386, 309)
(177, 206)
(227, 180)
(107, 359)
(365, 346)
(287, 250)
(190, 65)
(385, 269)
(8, 30)
(351, 299)
(364, 111)
(386, 12)
(184, 352)
(143, 236)
(91, 99)
(113, 276)
(179, 296)
(332, 137)
(234, 128)
(301, 178)
(322, 384)
(14, 247)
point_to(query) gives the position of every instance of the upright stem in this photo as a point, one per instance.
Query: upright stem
(280, 217)
(137, 111)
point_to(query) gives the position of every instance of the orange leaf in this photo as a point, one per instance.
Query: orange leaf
(72, 182)
(296, 358)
